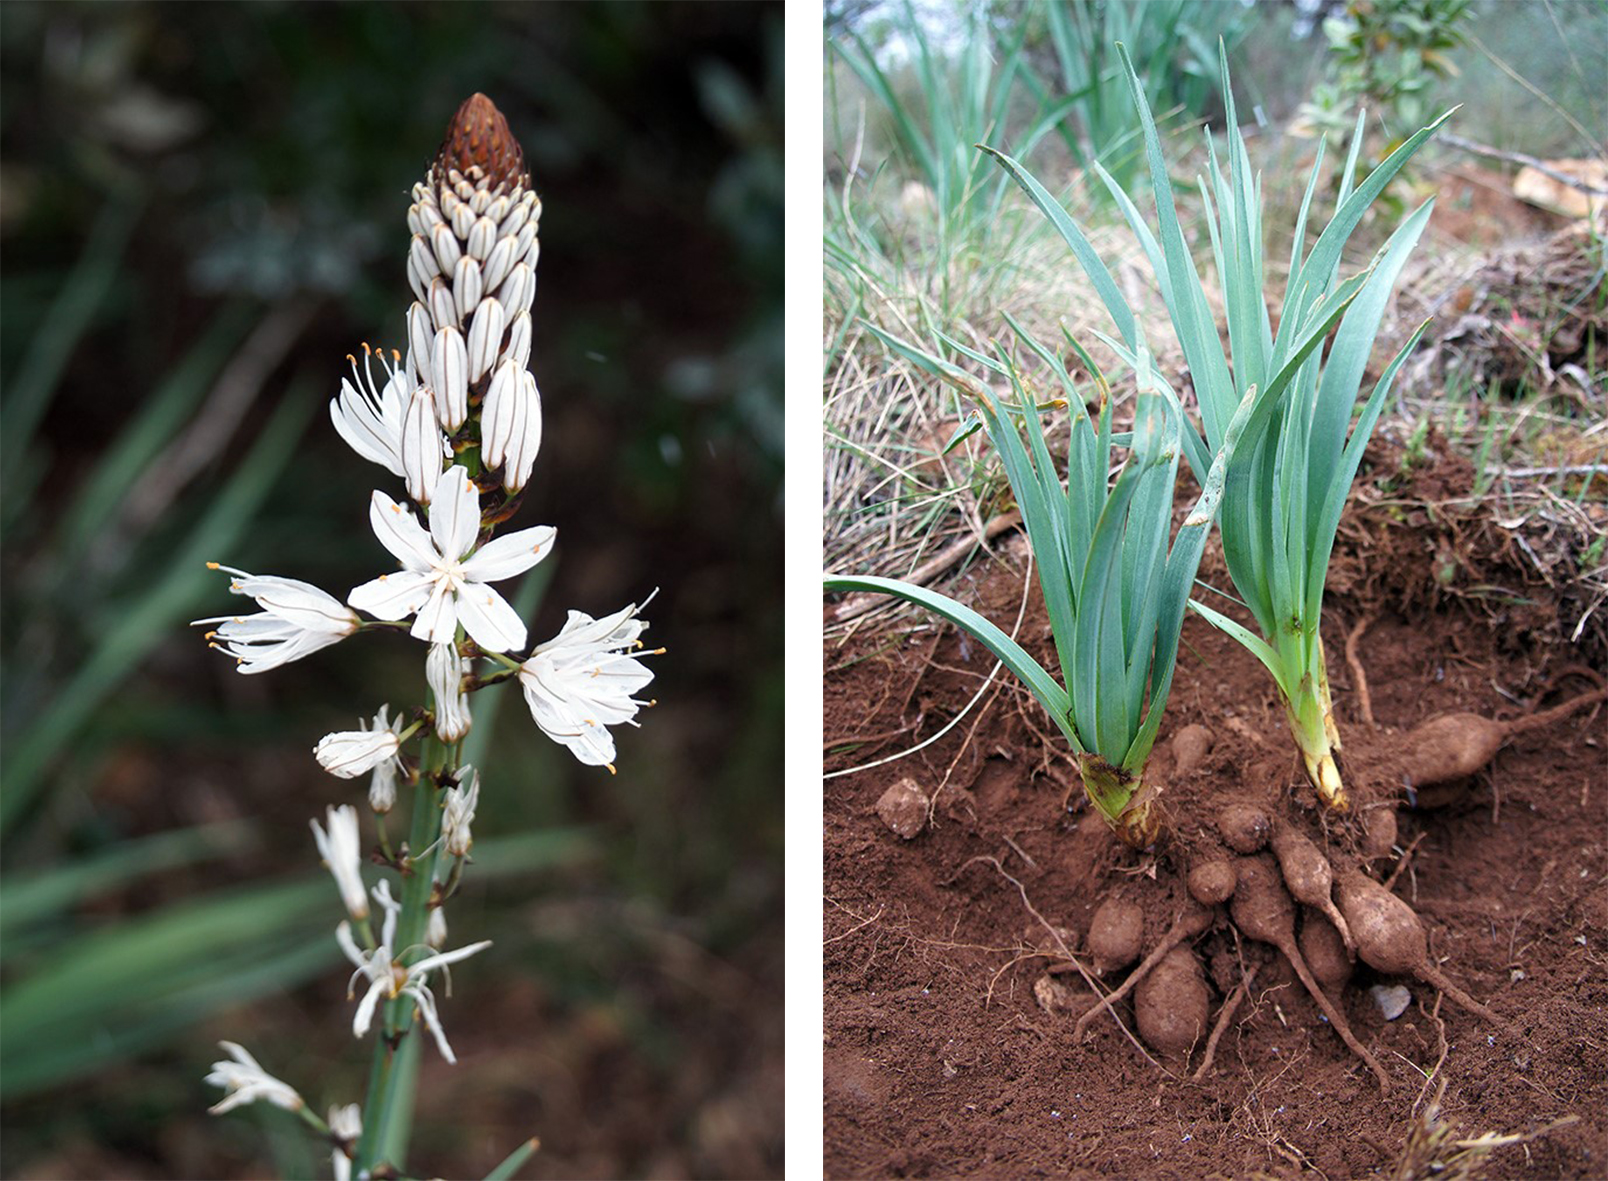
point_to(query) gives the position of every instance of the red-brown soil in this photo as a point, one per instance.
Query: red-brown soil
(950, 1002)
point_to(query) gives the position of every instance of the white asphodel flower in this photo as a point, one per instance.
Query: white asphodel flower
(580, 682)
(296, 620)
(369, 418)
(389, 979)
(441, 581)
(345, 1128)
(444, 670)
(342, 850)
(383, 784)
(350, 753)
(458, 813)
(246, 1082)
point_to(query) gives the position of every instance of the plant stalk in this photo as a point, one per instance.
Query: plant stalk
(1310, 711)
(388, 1108)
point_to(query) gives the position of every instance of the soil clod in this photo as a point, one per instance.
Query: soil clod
(903, 808)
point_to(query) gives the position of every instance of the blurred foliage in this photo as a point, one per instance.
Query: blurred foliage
(202, 210)
(1387, 56)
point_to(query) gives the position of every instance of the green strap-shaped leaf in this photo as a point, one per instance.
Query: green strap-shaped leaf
(1011, 654)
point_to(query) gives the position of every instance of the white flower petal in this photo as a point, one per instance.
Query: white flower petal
(392, 596)
(438, 618)
(511, 554)
(400, 533)
(455, 516)
(488, 618)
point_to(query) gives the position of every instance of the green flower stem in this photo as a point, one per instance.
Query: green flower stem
(388, 1109)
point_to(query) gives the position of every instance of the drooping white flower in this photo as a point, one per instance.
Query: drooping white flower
(458, 812)
(345, 1128)
(350, 753)
(389, 979)
(370, 418)
(441, 581)
(444, 670)
(383, 784)
(296, 620)
(246, 1082)
(342, 850)
(581, 682)
(435, 933)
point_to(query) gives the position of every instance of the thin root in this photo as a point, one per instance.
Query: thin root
(1230, 1007)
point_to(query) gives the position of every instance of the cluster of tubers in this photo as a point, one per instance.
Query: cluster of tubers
(1274, 873)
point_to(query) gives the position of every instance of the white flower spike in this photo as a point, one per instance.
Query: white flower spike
(345, 1128)
(389, 980)
(342, 850)
(246, 1082)
(297, 619)
(458, 812)
(441, 581)
(581, 682)
(444, 670)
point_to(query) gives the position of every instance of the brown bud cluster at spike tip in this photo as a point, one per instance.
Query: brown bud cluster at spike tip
(478, 137)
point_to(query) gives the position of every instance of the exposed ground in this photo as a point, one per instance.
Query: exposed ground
(953, 958)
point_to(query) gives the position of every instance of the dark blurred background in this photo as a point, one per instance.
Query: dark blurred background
(202, 211)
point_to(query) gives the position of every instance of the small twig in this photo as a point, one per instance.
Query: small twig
(1406, 857)
(1358, 677)
(1574, 182)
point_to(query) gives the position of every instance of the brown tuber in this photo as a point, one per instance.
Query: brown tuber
(1172, 1004)
(1212, 882)
(1454, 746)
(1263, 910)
(1325, 953)
(1390, 938)
(1380, 832)
(1309, 878)
(1190, 746)
(1116, 935)
(1244, 828)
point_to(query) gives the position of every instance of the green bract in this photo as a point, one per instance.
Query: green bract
(1289, 479)
(1115, 593)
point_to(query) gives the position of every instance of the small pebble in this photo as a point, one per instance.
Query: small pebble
(903, 808)
(1392, 1001)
